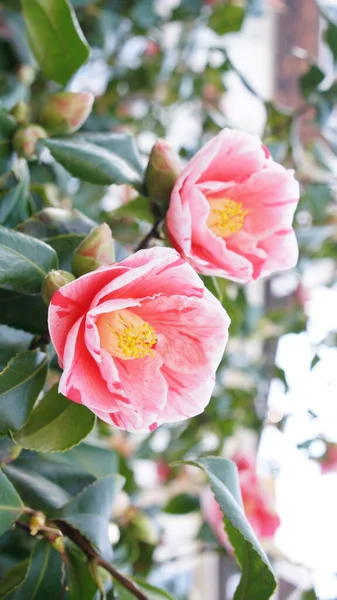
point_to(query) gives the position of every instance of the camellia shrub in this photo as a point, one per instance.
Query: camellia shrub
(115, 318)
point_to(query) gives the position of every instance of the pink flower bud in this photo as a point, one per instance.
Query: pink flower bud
(25, 138)
(52, 282)
(66, 112)
(96, 250)
(162, 171)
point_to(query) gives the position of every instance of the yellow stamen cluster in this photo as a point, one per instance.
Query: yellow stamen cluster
(125, 335)
(136, 342)
(226, 217)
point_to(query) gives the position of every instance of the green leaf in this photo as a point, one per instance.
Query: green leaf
(122, 144)
(309, 595)
(92, 163)
(139, 208)
(56, 424)
(151, 592)
(330, 37)
(7, 124)
(24, 261)
(20, 384)
(12, 342)
(36, 490)
(257, 579)
(55, 36)
(10, 504)
(53, 222)
(95, 459)
(226, 18)
(16, 205)
(182, 504)
(80, 583)
(65, 246)
(89, 512)
(23, 312)
(311, 80)
(44, 578)
(14, 578)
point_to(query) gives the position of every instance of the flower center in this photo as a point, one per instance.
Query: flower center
(125, 335)
(226, 216)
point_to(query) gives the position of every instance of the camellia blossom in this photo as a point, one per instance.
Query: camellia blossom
(231, 210)
(139, 341)
(256, 504)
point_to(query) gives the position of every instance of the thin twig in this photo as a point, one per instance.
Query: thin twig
(153, 234)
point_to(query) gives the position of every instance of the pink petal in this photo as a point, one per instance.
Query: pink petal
(192, 333)
(188, 395)
(281, 250)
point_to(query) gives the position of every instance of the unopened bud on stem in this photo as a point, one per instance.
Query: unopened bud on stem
(25, 139)
(96, 250)
(52, 282)
(162, 171)
(66, 112)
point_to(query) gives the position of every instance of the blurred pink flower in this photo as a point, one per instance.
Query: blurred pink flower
(329, 460)
(139, 341)
(256, 504)
(231, 210)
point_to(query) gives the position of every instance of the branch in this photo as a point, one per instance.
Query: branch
(153, 233)
(50, 534)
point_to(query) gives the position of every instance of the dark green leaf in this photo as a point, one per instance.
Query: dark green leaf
(94, 458)
(20, 384)
(7, 124)
(53, 222)
(10, 504)
(24, 261)
(182, 504)
(14, 578)
(310, 80)
(331, 38)
(56, 424)
(12, 342)
(140, 208)
(257, 579)
(226, 18)
(89, 512)
(44, 577)
(35, 490)
(16, 205)
(80, 583)
(23, 312)
(92, 163)
(151, 592)
(55, 37)
(122, 144)
(65, 246)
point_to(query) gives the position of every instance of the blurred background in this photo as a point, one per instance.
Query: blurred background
(183, 70)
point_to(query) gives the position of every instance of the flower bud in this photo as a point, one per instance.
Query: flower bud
(52, 282)
(58, 544)
(162, 171)
(25, 138)
(36, 522)
(96, 250)
(66, 112)
(21, 112)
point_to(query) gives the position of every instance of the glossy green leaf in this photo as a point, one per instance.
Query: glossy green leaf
(310, 80)
(139, 208)
(7, 124)
(330, 37)
(36, 490)
(94, 458)
(151, 592)
(10, 504)
(23, 312)
(182, 504)
(89, 512)
(44, 579)
(24, 261)
(122, 144)
(14, 578)
(53, 222)
(16, 204)
(55, 37)
(80, 583)
(56, 424)
(65, 246)
(257, 580)
(20, 384)
(12, 342)
(226, 18)
(92, 163)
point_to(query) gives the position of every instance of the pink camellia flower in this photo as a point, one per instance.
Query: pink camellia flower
(231, 210)
(139, 341)
(256, 504)
(329, 461)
